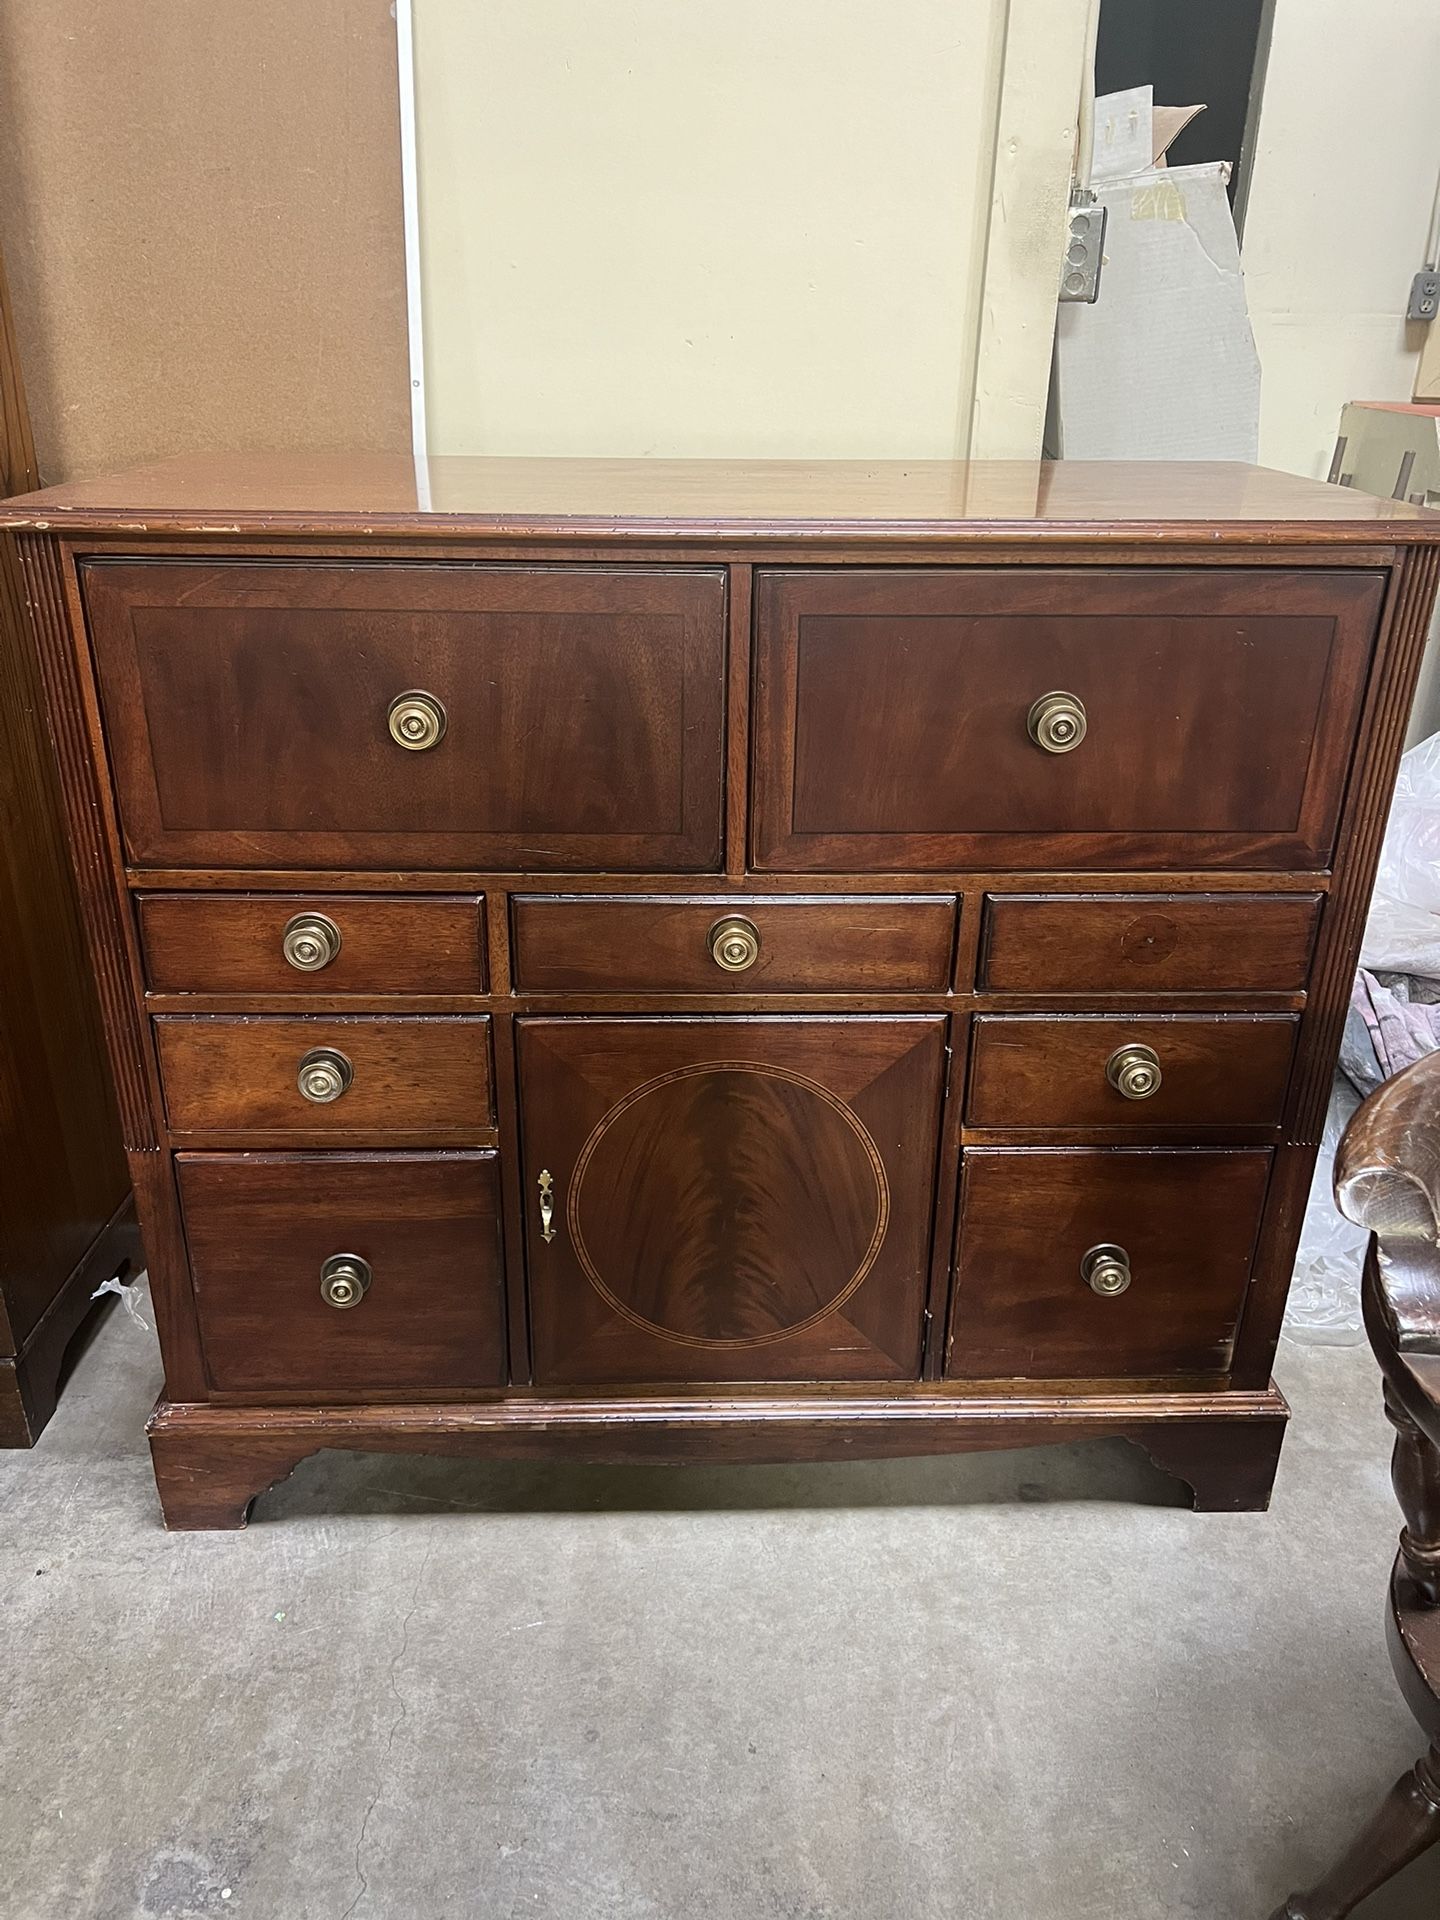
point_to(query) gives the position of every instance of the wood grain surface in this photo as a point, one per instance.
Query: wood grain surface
(260, 1227)
(64, 1207)
(584, 713)
(774, 1230)
(1188, 1222)
(233, 944)
(211, 1461)
(891, 716)
(1044, 1070)
(661, 945)
(735, 1199)
(230, 1075)
(832, 501)
(1147, 944)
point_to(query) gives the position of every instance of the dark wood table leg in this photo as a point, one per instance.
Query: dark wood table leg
(1415, 1476)
(1407, 1823)
(1409, 1820)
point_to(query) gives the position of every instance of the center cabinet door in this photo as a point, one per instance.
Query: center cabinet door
(729, 1199)
(415, 714)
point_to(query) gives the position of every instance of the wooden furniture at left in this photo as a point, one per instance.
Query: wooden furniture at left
(1387, 1178)
(67, 1221)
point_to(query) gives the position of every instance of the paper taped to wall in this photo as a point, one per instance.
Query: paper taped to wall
(1163, 366)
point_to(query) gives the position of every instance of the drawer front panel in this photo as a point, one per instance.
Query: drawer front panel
(729, 1199)
(226, 1075)
(1171, 1070)
(237, 943)
(1186, 1222)
(261, 1229)
(831, 945)
(894, 711)
(250, 710)
(1148, 943)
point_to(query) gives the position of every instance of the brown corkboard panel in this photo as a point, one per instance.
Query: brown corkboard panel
(200, 213)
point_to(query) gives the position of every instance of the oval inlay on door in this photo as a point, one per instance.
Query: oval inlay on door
(706, 1207)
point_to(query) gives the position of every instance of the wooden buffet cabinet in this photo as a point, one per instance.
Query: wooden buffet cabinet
(653, 961)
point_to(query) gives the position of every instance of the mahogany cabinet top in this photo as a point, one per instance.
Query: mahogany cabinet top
(808, 501)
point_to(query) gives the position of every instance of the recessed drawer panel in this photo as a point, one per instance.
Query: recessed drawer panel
(1102, 1263)
(1148, 943)
(751, 944)
(360, 1274)
(1167, 1070)
(364, 1075)
(929, 720)
(311, 943)
(267, 714)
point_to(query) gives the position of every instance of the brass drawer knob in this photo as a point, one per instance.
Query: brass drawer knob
(310, 941)
(1057, 722)
(1106, 1270)
(734, 943)
(344, 1280)
(324, 1075)
(417, 720)
(1134, 1071)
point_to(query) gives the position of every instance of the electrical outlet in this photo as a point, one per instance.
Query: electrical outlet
(1424, 295)
(1084, 252)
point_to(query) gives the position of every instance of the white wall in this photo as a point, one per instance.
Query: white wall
(1340, 200)
(737, 227)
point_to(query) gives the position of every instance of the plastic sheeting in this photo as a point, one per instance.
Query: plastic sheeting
(1402, 934)
(1394, 1018)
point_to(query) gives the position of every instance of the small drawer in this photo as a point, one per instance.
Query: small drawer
(1165, 1070)
(1148, 942)
(730, 944)
(1102, 1264)
(361, 1274)
(363, 1075)
(312, 943)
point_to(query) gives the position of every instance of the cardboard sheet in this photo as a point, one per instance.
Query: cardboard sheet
(200, 214)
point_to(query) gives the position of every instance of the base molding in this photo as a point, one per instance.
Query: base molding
(211, 1462)
(30, 1380)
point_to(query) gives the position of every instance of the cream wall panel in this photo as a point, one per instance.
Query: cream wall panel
(721, 227)
(1034, 144)
(1339, 203)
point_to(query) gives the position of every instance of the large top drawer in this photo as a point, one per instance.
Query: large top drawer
(384, 714)
(922, 720)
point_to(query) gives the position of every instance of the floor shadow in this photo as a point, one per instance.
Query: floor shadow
(83, 1338)
(337, 1483)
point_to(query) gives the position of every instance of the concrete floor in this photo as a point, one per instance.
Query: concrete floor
(1017, 1686)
